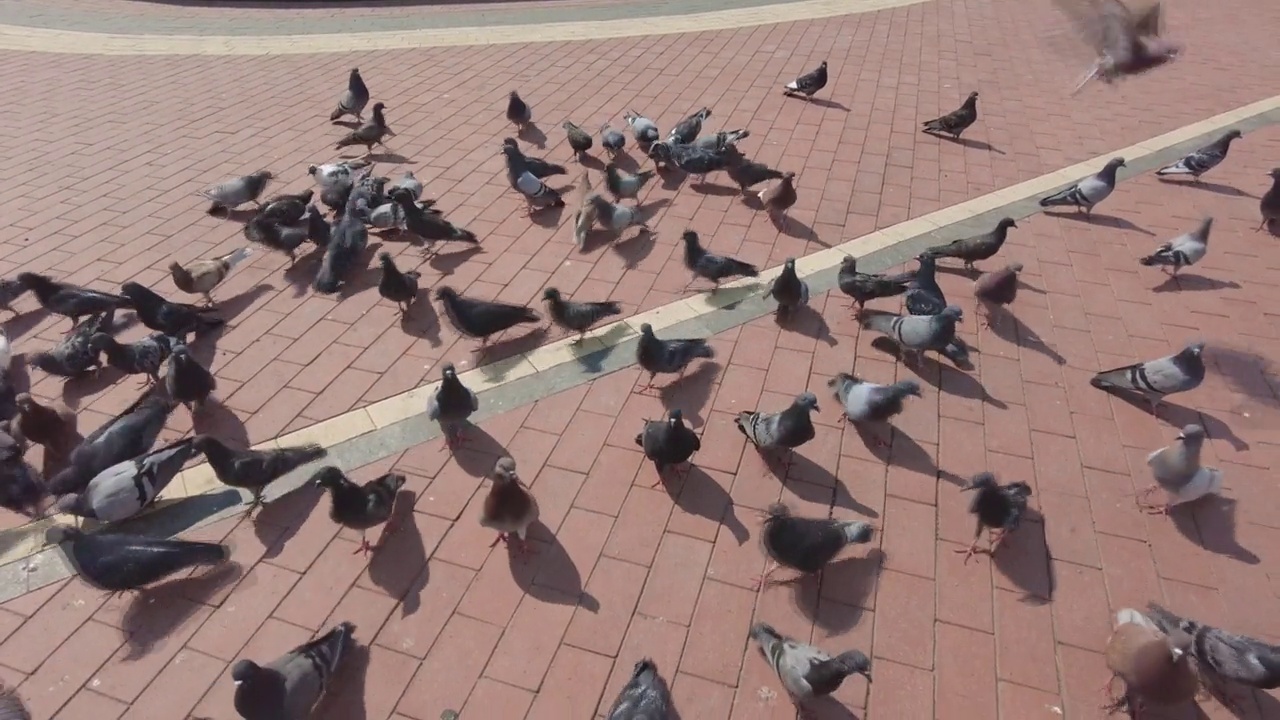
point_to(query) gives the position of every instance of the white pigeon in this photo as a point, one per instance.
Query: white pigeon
(1177, 470)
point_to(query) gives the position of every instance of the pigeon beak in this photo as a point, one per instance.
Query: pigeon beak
(867, 674)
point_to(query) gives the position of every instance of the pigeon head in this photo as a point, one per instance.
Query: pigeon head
(840, 380)
(777, 510)
(972, 96)
(551, 295)
(790, 264)
(25, 402)
(807, 400)
(34, 281)
(674, 417)
(1275, 174)
(927, 262)
(99, 342)
(660, 151)
(788, 177)
(953, 312)
(1019, 490)
(387, 261)
(690, 238)
(312, 170)
(510, 151)
(982, 480)
(245, 671)
(59, 534)
(849, 264)
(355, 72)
(505, 470)
(1192, 434)
(1115, 162)
(643, 667)
(513, 95)
(646, 330)
(1014, 267)
(510, 142)
(329, 477)
(446, 293)
(1194, 349)
(1006, 223)
(853, 662)
(908, 387)
(263, 175)
(1232, 134)
(449, 372)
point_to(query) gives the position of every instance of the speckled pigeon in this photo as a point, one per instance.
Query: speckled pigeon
(978, 247)
(805, 671)
(644, 697)
(577, 316)
(784, 430)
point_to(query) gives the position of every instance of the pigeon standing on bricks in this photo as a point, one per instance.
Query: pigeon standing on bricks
(785, 430)
(577, 316)
(644, 130)
(1203, 160)
(715, 268)
(805, 544)
(1221, 655)
(807, 84)
(789, 290)
(202, 276)
(957, 121)
(482, 318)
(924, 295)
(612, 140)
(1269, 207)
(863, 287)
(231, 194)
(372, 132)
(668, 442)
(171, 318)
(74, 355)
(353, 100)
(1178, 472)
(1155, 379)
(451, 405)
(254, 470)
(116, 562)
(1090, 191)
(537, 194)
(518, 111)
(688, 129)
(999, 508)
(579, 140)
(509, 507)
(70, 301)
(779, 197)
(1183, 251)
(805, 671)
(127, 488)
(915, 334)
(187, 381)
(997, 288)
(144, 357)
(537, 167)
(644, 697)
(868, 402)
(979, 247)
(288, 687)
(400, 287)
(668, 356)
(623, 185)
(360, 507)
(1155, 667)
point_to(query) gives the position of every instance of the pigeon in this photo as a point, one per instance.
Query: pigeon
(128, 487)
(334, 174)
(924, 295)
(69, 300)
(668, 356)
(171, 318)
(52, 426)
(202, 276)
(805, 544)
(482, 318)
(1155, 379)
(399, 287)
(21, 488)
(957, 121)
(1203, 160)
(122, 438)
(187, 381)
(723, 141)
(999, 508)
(691, 159)
(518, 111)
(580, 140)
(973, 249)
(586, 216)
(74, 355)
(747, 173)
(612, 140)
(1126, 43)
(1221, 655)
(347, 243)
(1090, 191)
(117, 562)
(409, 182)
(997, 288)
(1183, 251)
(509, 507)
(915, 334)
(789, 290)
(359, 507)
(281, 238)
(144, 357)
(644, 697)
(537, 194)
(389, 216)
(868, 402)
(231, 194)
(577, 316)
(288, 687)
(537, 167)
(616, 218)
(1177, 470)
(668, 442)
(622, 184)
(805, 671)
(10, 291)
(451, 405)
(779, 197)
(254, 470)
(1270, 204)
(644, 130)
(1154, 667)
(863, 287)
(785, 430)
(354, 99)
(287, 209)
(8, 391)
(12, 707)
(712, 267)
(688, 129)
(430, 226)
(371, 132)
(807, 84)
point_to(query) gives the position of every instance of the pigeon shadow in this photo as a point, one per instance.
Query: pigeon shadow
(78, 388)
(699, 494)
(303, 271)
(242, 215)
(1194, 283)
(634, 250)
(402, 570)
(479, 451)
(1180, 416)
(706, 188)
(349, 124)
(824, 103)
(807, 322)
(154, 613)
(422, 321)
(1110, 221)
(793, 227)
(234, 306)
(593, 362)
(220, 421)
(532, 134)
(1023, 558)
(672, 177)
(590, 161)
(625, 161)
(345, 698)
(1207, 187)
(280, 519)
(494, 353)
(903, 451)
(1008, 327)
(551, 576)
(1211, 523)
(388, 156)
(941, 377)
(855, 577)
(691, 393)
(21, 324)
(971, 144)
(813, 483)
(547, 217)
(447, 263)
(1246, 373)
(363, 274)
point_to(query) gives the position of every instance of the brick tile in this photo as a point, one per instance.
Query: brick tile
(966, 677)
(647, 637)
(674, 581)
(449, 672)
(157, 631)
(573, 556)
(1080, 613)
(67, 668)
(499, 586)
(386, 674)
(902, 691)
(723, 611)
(573, 685)
(908, 537)
(494, 699)
(231, 625)
(616, 587)
(638, 529)
(1024, 702)
(318, 593)
(605, 489)
(1129, 571)
(904, 631)
(88, 705)
(179, 686)
(530, 641)
(414, 630)
(696, 697)
(55, 621)
(1025, 642)
(580, 442)
(964, 591)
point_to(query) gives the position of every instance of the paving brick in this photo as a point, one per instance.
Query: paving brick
(573, 685)
(450, 671)
(671, 591)
(69, 667)
(231, 625)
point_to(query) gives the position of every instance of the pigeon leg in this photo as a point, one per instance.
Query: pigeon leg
(502, 537)
(996, 541)
(969, 552)
(763, 580)
(254, 503)
(454, 439)
(365, 547)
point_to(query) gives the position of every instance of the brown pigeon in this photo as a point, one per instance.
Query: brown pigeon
(1155, 667)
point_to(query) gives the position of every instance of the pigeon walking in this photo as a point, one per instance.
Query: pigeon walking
(779, 197)
(668, 356)
(785, 430)
(1224, 656)
(644, 697)
(623, 185)
(807, 84)
(231, 194)
(1178, 472)
(1155, 667)
(957, 121)
(747, 173)
(863, 287)
(482, 318)
(612, 140)
(868, 402)
(128, 435)
(509, 507)
(359, 507)
(688, 129)
(399, 287)
(1090, 191)
(202, 276)
(715, 268)
(644, 130)
(287, 209)
(69, 300)
(915, 334)
(537, 194)
(1154, 379)
(344, 252)
(924, 295)
(537, 167)
(127, 488)
(579, 140)
(410, 183)
(616, 217)
(372, 132)
(805, 544)
(171, 318)
(518, 111)
(74, 355)
(451, 405)
(187, 381)
(805, 671)
(1269, 206)
(997, 288)
(1203, 160)
(999, 508)
(789, 290)
(117, 562)
(430, 226)
(144, 357)
(979, 247)
(668, 442)
(288, 687)
(577, 316)
(353, 100)
(1183, 251)
(254, 470)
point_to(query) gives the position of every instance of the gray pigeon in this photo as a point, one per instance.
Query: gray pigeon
(997, 288)
(1090, 191)
(144, 357)
(979, 247)
(785, 430)
(1183, 251)
(924, 295)
(1270, 204)
(668, 356)
(789, 290)
(614, 217)
(409, 182)
(117, 562)
(643, 129)
(338, 173)
(868, 402)
(354, 99)
(288, 687)
(74, 355)
(537, 194)
(917, 333)
(687, 130)
(805, 544)
(612, 140)
(805, 671)
(807, 84)
(577, 316)
(622, 184)
(122, 438)
(723, 140)
(1203, 160)
(12, 707)
(1155, 379)
(668, 442)
(644, 697)
(1177, 471)
(231, 194)
(451, 405)
(1221, 655)
(127, 488)
(518, 111)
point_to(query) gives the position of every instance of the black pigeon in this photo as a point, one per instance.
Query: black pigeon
(187, 381)
(1269, 206)
(924, 296)
(577, 316)
(668, 356)
(117, 562)
(748, 173)
(124, 437)
(399, 287)
(144, 357)
(451, 406)
(997, 507)
(978, 247)
(715, 268)
(371, 133)
(289, 687)
(254, 470)
(808, 83)
(806, 544)
(866, 286)
(482, 318)
(74, 355)
(10, 291)
(21, 488)
(430, 226)
(69, 300)
(693, 159)
(347, 243)
(266, 231)
(957, 121)
(359, 507)
(644, 697)
(668, 442)
(518, 111)
(171, 318)
(354, 99)
(288, 209)
(537, 167)
(789, 290)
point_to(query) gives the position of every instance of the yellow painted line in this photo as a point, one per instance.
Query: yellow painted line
(28, 539)
(29, 39)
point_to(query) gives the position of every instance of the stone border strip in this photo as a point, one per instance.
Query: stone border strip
(395, 424)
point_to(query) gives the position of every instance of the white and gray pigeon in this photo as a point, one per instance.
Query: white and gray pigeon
(868, 402)
(451, 405)
(789, 290)
(807, 84)
(122, 438)
(409, 182)
(1177, 471)
(668, 356)
(1203, 160)
(612, 140)
(805, 544)
(915, 334)
(785, 430)
(1221, 655)
(643, 129)
(288, 687)
(537, 194)
(1183, 251)
(1155, 379)
(126, 488)
(668, 441)
(231, 194)
(644, 697)
(805, 671)
(1090, 191)
(615, 217)
(331, 175)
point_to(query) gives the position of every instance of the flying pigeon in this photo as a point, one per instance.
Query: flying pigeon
(127, 488)
(789, 290)
(1203, 160)
(577, 316)
(668, 356)
(1178, 472)
(1126, 43)
(868, 402)
(1183, 251)
(957, 121)
(805, 544)
(1090, 191)
(644, 697)
(451, 405)
(254, 470)
(915, 334)
(359, 507)
(999, 508)
(509, 507)
(354, 99)
(807, 84)
(1154, 667)
(863, 287)
(1155, 379)
(784, 430)
(805, 671)
(668, 442)
(117, 562)
(973, 249)
(288, 687)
